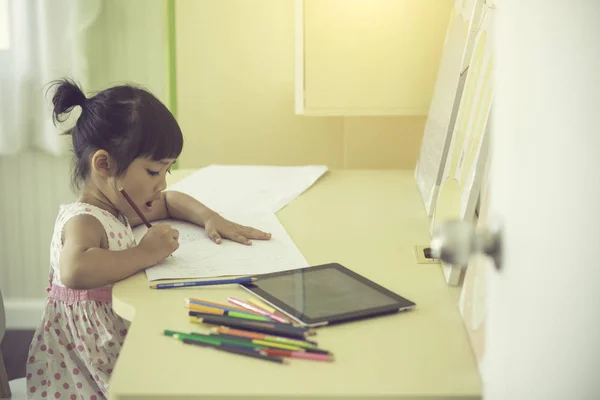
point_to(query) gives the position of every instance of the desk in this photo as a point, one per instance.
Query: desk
(368, 221)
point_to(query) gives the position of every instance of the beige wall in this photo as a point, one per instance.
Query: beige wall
(235, 93)
(128, 44)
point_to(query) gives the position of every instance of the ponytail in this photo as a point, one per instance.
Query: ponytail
(66, 96)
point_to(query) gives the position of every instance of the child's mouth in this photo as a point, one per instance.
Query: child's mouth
(149, 204)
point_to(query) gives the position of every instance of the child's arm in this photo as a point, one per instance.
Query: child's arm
(177, 205)
(85, 262)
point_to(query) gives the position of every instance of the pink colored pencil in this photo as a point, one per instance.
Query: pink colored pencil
(297, 354)
(257, 310)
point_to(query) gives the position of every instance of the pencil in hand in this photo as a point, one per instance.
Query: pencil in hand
(137, 210)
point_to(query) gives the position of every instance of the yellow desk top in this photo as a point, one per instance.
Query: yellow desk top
(370, 222)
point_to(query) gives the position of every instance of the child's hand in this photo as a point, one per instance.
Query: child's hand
(160, 241)
(218, 227)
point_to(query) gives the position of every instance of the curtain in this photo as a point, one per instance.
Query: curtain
(40, 40)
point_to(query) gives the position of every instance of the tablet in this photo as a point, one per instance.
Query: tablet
(325, 294)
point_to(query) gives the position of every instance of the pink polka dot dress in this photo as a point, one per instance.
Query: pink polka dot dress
(76, 345)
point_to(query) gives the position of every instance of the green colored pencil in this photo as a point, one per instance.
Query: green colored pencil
(228, 313)
(207, 339)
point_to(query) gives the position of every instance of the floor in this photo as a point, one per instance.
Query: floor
(14, 351)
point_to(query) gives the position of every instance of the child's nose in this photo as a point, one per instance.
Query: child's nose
(163, 184)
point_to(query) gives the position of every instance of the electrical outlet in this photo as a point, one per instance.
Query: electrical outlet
(422, 253)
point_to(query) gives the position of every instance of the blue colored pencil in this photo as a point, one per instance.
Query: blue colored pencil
(203, 283)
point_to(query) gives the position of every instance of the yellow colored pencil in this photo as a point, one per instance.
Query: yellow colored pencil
(206, 303)
(260, 304)
(220, 312)
(277, 345)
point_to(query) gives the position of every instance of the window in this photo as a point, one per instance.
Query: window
(4, 28)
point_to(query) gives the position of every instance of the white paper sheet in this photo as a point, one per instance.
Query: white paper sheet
(200, 257)
(231, 188)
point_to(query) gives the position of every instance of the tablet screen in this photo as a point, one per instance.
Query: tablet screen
(323, 292)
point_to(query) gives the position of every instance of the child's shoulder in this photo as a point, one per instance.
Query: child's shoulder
(77, 207)
(86, 220)
(70, 210)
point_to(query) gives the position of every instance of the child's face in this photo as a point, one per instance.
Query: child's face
(144, 181)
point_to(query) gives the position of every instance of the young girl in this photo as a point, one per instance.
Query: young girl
(124, 138)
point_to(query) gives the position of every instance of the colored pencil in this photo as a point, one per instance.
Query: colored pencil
(211, 339)
(206, 342)
(193, 302)
(262, 336)
(297, 344)
(183, 335)
(137, 210)
(297, 354)
(230, 313)
(268, 324)
(263, 306)
(238, 323)
(237, 341)
(207, 303)
(240, 303)
(202, 283)
(259, 343)
(237, 350)
(317, 351)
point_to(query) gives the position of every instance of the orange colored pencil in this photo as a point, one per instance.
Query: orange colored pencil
(205, 309)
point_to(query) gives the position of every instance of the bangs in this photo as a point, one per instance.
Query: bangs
(159, 135)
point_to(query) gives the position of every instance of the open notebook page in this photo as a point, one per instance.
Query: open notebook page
(200, 257)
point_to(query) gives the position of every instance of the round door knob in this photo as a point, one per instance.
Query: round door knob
(455, 241)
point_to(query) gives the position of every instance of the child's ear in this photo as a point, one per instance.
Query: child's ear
(102, 163)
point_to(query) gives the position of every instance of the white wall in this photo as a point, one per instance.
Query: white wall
(128, 43)
(32, 185)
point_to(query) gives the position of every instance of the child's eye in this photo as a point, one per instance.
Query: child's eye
(152, 173)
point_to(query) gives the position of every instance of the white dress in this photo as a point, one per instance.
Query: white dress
(76, 345)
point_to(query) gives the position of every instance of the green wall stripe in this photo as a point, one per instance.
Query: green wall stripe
(172, 60)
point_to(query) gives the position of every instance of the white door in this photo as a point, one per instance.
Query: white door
(543, 332)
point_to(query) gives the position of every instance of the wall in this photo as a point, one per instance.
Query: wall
(235, 93)
(127, 43)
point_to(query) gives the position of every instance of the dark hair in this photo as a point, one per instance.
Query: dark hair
(126, 121)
